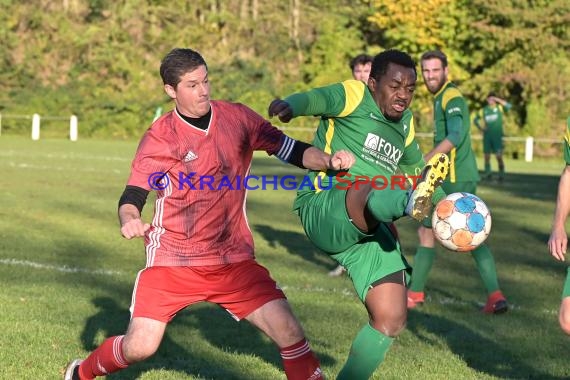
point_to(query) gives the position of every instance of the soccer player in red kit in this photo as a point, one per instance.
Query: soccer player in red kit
(198, 245)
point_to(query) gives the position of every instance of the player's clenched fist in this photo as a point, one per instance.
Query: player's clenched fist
(281, 109)
(134, 228)
(342, 159)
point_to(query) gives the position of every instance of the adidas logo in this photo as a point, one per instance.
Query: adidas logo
(190, 156)
(318, 374)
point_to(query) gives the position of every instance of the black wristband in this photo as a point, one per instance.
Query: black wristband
(135, 196)
(296, 157)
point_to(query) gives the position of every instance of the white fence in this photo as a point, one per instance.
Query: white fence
(529, 141)
(36, 123)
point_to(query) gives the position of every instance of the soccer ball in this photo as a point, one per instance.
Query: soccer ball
(461, 222)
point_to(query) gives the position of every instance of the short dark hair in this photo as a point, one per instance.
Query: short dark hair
(179, 62)
(360, 59)
(438, 54)
(381, 61)
(491, 93)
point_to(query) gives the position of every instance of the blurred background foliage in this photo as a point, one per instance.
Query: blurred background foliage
(99, 59)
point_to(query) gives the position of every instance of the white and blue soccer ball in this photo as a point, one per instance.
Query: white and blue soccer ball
(461, 222)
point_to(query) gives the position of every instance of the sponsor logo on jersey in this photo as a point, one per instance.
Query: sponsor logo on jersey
(380, 151)
(489, 118)
(190, 156)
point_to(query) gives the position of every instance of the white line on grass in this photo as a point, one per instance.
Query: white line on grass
(62, 268)
(65, 156)
(342, 291)
(22, 165)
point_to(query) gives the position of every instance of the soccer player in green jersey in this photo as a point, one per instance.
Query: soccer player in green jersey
(347, 215)
(558, 242)
(489, 120)
(451, 117)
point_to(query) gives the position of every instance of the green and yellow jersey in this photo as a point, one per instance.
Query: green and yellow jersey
(449, 102)
(351, 120)
(492, 116)
(567, 143)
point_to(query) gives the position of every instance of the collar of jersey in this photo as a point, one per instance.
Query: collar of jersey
(442, 89)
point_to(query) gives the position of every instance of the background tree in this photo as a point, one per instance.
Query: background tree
(99, 59)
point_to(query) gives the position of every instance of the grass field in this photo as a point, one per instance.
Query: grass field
(67, 276)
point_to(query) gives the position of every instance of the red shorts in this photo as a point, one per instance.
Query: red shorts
(240, 288)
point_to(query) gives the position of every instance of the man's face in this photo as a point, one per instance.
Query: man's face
(394, 90)
(192, 93)
(362, 72)
(434, 74)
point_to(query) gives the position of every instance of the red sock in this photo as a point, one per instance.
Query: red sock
(300, 362)
(106, 359)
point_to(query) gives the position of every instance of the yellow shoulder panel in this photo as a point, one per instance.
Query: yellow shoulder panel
(412, 132)
(354, 91)
(448, 95)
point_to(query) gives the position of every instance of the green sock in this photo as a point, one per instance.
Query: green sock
(501, 170)
(566, 290)
(487, 168)
(423, 260)
(387, 205)
(486, 266)
(368, 350)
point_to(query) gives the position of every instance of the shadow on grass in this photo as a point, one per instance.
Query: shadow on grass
(478, 352)
(213, 324)
(535, 186)
(296, 244)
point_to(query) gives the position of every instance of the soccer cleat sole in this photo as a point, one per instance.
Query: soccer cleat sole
(69, 370)
(435, 173)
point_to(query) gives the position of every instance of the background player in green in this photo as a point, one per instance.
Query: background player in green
(374, 123)
(489, 120)
(558, 242)
(451, 136)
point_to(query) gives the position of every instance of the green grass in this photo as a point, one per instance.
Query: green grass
(67, 277)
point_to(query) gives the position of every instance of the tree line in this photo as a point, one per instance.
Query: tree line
(99, 59)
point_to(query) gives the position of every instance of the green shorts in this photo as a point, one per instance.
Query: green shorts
(366, 257)
(492, 144)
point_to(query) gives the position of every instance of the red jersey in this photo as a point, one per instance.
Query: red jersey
(199, 217)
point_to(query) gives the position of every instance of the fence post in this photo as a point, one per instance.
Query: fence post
(73, 128)
(528, 149)
(35, 127)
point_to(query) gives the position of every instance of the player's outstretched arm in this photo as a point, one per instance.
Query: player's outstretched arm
(316, 159)
(131, 223)
(558, 242)
(281, 109)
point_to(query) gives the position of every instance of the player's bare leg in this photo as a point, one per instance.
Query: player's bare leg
(501, 165)
(487, 174)
(141, 341)
(564, 315)
(276, 320)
